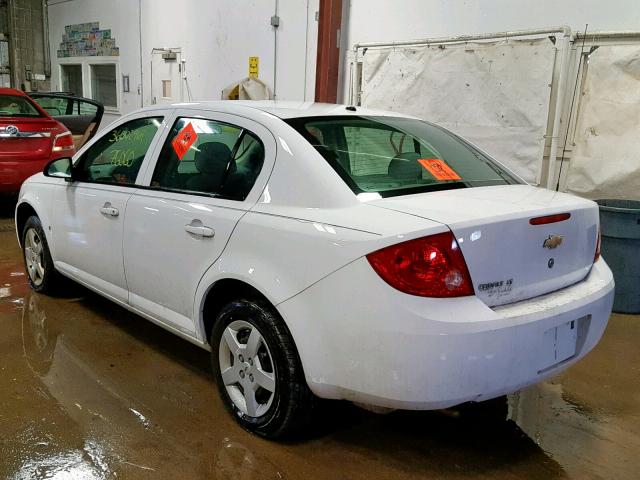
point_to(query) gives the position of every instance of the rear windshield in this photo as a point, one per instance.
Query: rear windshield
(398, 156)
(14, 106)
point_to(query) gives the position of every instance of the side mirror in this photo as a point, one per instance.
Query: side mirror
(60, 168)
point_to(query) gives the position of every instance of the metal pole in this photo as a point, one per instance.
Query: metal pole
(562, 84)
(45, 40)
(275, 55)
(141, 90)
(353, 75)
(624, 34)
(467, 38)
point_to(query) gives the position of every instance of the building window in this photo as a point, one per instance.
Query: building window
(72, 79)
(103, 85)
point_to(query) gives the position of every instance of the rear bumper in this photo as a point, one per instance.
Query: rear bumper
(361, 340)
(14, 173)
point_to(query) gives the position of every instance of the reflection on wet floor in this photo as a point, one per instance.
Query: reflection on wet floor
(89, 391)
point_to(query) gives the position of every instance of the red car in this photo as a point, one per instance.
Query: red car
(29, 139)
(33, 130)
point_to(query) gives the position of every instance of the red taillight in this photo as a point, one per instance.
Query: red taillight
(428, 267)
(560, 217)
(596, 257)
(63, 143)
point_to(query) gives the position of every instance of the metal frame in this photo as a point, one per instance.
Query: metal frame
(578, 67)
(563, 45)
(569, 65)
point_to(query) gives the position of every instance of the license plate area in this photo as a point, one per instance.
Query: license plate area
(559, 344)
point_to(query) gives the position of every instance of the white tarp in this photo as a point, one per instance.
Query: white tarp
(606, 158)
(495, 94)
(249, 88)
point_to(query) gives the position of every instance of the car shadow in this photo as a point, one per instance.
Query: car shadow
(7, 206)
(467, 439)
(180, 351)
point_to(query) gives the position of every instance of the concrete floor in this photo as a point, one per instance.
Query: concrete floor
(88, 390)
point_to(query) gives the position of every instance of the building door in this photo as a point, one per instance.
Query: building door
(166, 75)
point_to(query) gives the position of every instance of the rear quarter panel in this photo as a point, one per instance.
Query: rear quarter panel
(282, 256)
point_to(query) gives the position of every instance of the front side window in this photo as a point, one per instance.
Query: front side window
(117, 157)
(16, 106)
(398, 156)
(210, 158)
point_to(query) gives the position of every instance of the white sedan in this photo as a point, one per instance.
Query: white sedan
(324, 251)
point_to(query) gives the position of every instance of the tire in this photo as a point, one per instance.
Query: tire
(256, 363)
(42, 275)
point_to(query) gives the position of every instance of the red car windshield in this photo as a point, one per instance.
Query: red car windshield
(17, 107)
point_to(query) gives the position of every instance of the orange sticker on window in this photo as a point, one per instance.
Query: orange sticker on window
(439, 169)
(184, 140)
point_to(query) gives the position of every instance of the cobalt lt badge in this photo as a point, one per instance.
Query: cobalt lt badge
(553, 241)
(12, 130)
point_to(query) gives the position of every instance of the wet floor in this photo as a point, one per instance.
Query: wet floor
(90, 391)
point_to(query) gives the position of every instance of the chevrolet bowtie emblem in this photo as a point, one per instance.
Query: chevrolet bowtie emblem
(553, 241)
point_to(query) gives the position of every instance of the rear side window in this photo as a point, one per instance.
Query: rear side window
(18, 107)
(209, 158)
(54, 106)
(398, 156)
(117, 157)
(57, 106)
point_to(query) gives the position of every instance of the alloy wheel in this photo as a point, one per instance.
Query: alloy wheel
(247, 368)
(33, 255)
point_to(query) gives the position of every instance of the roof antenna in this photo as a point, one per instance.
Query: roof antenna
(351, 108)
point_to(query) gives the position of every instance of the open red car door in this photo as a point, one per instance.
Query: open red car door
(81, 116)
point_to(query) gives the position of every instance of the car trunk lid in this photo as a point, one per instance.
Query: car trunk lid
(26, 139)
(510, 259)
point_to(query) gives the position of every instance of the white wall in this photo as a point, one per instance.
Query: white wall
(384, 20)
(216, 38)
(121, 16)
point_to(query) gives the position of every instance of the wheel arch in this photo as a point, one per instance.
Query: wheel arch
(219, 294)
(36, 199)
(24, 210)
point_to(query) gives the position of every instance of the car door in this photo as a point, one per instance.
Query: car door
(81, 116)
(88, 213)
(211, 168)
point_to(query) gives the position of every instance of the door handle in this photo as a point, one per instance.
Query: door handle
(200, 230)
(107, 209)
